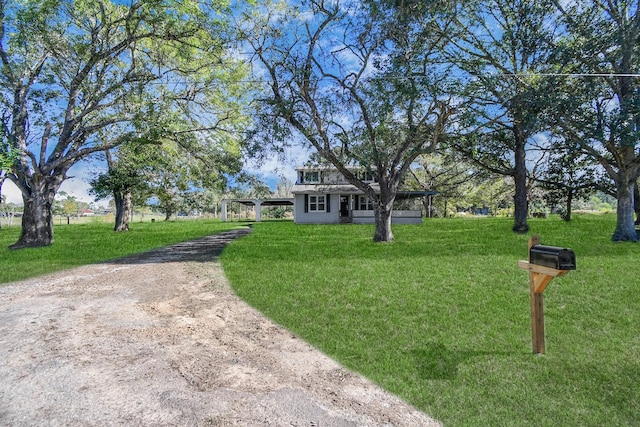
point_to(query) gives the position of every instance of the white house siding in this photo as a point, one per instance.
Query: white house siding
(302, 217)
(332, 177)
(329, 182)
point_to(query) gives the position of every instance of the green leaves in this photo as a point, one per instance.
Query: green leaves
(600, 46)
(79, 77)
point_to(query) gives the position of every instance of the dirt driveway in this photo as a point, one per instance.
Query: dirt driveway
(160, 339)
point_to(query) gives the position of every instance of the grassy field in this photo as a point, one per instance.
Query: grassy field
(95, 241)
(441, 316)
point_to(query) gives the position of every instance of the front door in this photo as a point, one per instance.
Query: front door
(344, 206)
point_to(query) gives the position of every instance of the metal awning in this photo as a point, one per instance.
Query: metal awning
(258, 203)
(263, 202)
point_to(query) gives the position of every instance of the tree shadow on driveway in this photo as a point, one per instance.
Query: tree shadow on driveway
(205, 249)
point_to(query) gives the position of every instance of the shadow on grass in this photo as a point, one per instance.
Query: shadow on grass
(437, 362)
(617, 384)
(205, 249)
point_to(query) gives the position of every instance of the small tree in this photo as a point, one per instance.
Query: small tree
(123, 177)
(170, 165)
(8, 159)
(444, 173)
(7, 210)
(570, 175)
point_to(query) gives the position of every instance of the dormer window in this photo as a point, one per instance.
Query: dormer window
(312, 177)
(366, 176)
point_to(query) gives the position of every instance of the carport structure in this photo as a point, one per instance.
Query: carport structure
(257, 203)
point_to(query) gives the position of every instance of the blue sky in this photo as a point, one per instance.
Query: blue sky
(274, 168)
(77, 186)
(269, 172)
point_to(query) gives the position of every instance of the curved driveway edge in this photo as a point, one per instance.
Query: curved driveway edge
(160, 339)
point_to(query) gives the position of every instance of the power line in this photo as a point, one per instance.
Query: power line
(610, 75)
(570, 74)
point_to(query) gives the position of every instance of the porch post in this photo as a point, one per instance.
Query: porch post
(223, 208)
(258, 205)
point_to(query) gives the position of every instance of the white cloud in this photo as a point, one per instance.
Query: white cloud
(11, 192)
(78, 188)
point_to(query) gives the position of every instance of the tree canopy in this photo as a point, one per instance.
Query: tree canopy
(71, 69)
(357, 92)
(599, 98)
(376, 84)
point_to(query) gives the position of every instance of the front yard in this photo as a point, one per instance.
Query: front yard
(441, 316)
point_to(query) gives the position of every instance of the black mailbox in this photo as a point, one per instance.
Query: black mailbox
(553, 257)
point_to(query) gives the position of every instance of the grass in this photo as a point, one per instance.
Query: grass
(441, 316)
(93, 242)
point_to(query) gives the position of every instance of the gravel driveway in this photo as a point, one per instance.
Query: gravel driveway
(160, 339)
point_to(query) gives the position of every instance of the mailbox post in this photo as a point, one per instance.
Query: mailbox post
(545, 263)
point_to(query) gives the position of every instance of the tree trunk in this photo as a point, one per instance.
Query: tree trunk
(382, 209)
(123, 210)
(521, 205)
(625, 227)
(636, 202)
(567, 214)
(37, 219)
(383, 231)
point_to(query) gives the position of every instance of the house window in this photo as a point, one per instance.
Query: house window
(317, 203)
(311, 176)
(365, 204)
(366, 176)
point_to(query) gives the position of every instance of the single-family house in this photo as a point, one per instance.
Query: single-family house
(323, 196)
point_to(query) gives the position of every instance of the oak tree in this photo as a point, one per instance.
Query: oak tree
(72, 68)
(355, 89)
(499, 47)
(600, 110)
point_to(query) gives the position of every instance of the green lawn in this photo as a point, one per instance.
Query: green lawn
(441, 316)
(95, 241)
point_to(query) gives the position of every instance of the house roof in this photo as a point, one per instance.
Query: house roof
(330, 188)
(328, 168)
(352, 189)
